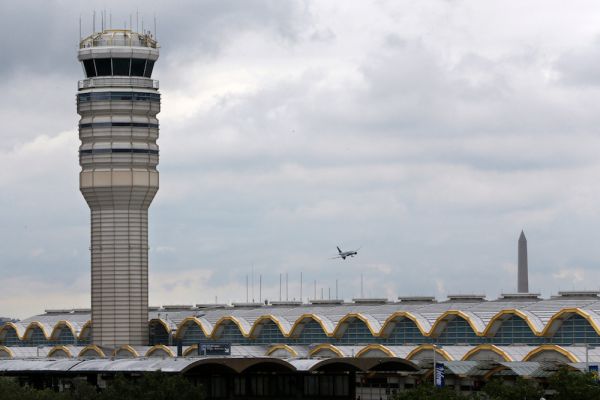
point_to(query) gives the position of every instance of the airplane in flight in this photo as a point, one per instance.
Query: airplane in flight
(344, 254)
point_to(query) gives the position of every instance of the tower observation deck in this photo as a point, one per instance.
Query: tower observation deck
(118, 103)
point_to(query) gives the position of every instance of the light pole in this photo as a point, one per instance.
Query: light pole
(434, 368)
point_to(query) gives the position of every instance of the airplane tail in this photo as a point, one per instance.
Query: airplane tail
(339, 250)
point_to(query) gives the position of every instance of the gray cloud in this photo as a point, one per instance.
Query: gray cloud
(426, 137)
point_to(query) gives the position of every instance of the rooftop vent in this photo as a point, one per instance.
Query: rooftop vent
(178, 307)
(417, 299)
(211, 305)
(286, 303)
(370, 301)
(466, 297)
(327, 302)
(82, 310)
(520, 296)
(247, 305)
(58, 311)
(154, 308)
(588, 294)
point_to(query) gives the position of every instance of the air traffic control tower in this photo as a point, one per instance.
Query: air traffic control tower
(118, 102)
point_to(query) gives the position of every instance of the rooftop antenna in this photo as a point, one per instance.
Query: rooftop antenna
(280, 286)
(336, 289)
(110, 20)
(130, 22)
(321, 293)
(246, 288)
(286, 287)
(362, 294)
(329, 290)
(253, 283)
(315, 297)
(300, 285)
(260, 288)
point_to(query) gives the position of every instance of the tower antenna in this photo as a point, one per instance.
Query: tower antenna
(155, 35)
(94, 22)
(300, 286)
(80, 27)
(137, 20)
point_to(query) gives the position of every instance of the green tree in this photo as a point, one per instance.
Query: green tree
(522, 389)
(573, 385)
(154, 386)
(428, 392)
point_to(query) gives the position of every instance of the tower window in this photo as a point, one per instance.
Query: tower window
(90, 70)
(121, 66)
(103, 67)
(137, 66)
(149, 67)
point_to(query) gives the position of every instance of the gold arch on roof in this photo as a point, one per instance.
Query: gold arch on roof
(425, 347)
(94, 348)
(456, 313)
(180, 331)
(55, 349)
(84, 329)
(32, 325)
(229, 319)
(487, 347)
(401, 314)
(187, 351)
(285, 347)
(376, 347)
(557, 318)
(325, 346)
(163, 323)
(551, 347)
(269, 317)
(126, 348)
(512, 311)
(8, 325)
(160, 347)
(348, 318)
(315, 318)
(58, 325)
(7, 350)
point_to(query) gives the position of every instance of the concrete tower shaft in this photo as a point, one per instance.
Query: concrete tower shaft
(523, 278)
(118, 103)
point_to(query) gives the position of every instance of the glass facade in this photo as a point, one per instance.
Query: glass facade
(312, 333)
(231, 333)
(515, 330)
(357, 332)
(65, 336)
(575, 330)
(118, 67)
(270, 334)
(192, 335)
(158, 334)
(121, 96)
(458, 331)
(405, 332)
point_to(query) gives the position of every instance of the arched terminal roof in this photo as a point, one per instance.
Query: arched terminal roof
(543, 316)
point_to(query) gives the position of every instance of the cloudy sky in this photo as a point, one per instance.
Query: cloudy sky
(427, 133)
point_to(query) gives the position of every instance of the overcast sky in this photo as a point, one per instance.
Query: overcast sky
(427, 133)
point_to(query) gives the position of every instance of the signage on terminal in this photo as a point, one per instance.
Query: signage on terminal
(214, 349)
(439, 375)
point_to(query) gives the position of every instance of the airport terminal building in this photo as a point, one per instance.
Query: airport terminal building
(366, 348)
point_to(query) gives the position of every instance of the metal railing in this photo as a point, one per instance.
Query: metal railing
(118, 81)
